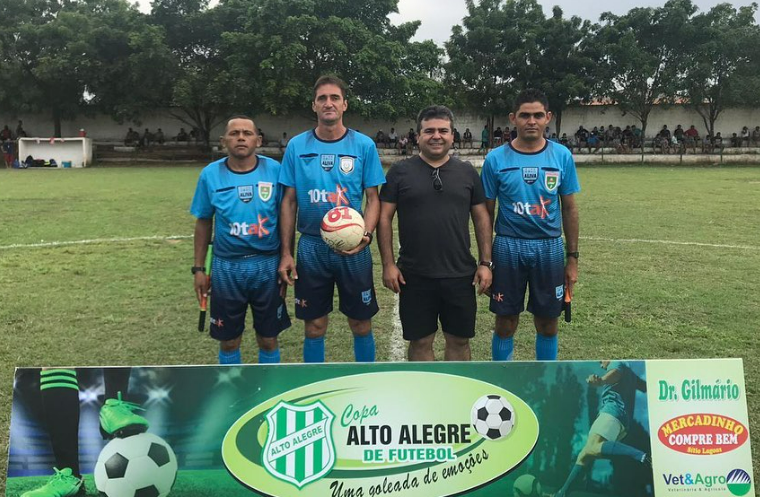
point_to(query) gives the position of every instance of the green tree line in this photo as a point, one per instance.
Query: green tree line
(74, 57)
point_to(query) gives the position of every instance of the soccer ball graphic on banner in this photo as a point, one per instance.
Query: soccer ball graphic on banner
(342, 228)
(493, 417)
(138, 466)
(527, 486)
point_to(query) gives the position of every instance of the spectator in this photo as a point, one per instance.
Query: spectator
(6, 134)
(736, 141)
(194, 134)
(507, 137)
(392, 138)
(663, 140)
(581, 137)
(380, 138)
(718, 142)
(594, 141)
(609, 136)
(513, 134)
(283, 141)
(147, 138)
(132, 138)
(554, 138)
(457, 139)
(745, 137)
(707, 144)
(402, 143)
(20, 133)
(159, 137)
(497, 136)
(756, 137)
(182, 135)
(8, 153)
(412, 140)
(263, 141)
(564, 140)
(678, 134)
(691, 136)
(637, 138)
(485, 139)
(468, 137)
(602, 134)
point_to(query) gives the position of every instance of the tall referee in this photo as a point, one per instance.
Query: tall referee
(436, 275)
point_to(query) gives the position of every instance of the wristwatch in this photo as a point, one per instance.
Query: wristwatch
(369, 235)
(488, 264)
(574, 254)
(197, 269)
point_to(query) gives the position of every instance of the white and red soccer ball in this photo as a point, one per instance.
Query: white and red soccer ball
(342, 228)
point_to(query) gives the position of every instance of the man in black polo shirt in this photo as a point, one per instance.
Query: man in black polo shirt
(435, 196)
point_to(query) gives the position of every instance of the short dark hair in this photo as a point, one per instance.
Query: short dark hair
(434, 112)
(530, 95)
(330, 79)
(240, 116)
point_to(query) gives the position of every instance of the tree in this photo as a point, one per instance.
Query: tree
(722, 62)
(643, 54)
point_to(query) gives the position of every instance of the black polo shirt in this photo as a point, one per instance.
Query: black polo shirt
(434, 226)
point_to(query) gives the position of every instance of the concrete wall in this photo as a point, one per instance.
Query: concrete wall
(103, 128)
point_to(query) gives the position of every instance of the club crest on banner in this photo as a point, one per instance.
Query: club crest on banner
(328, 162)
(346, 165)
(551, 179)
(530, 174)
(245, 193)
(299, 447)
(265, 190)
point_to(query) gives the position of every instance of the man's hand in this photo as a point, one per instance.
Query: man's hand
(287, 269)
(483, 278)
(392, 278)
(365, 241)
(594, 380)
(571, 273)
(202, 285)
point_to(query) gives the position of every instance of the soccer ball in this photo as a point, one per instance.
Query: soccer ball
(493, 417)
(342, 228)
(527, 486)
(138, 466)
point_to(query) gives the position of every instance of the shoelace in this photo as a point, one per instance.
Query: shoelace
(117, 402)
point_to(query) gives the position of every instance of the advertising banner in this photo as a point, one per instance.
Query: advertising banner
(582, 429)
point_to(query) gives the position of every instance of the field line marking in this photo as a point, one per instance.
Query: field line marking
(669, 242)
(93, 241)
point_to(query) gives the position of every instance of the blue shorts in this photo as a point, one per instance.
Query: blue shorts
(319, 269)
(239, 283)
(538, 264)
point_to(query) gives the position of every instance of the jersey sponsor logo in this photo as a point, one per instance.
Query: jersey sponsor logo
(337, 198)
(530, 174)
(265, 191)
(327, 162)
(245, 193)
(346, 165)
(551, 180)
(242, 230)
(301, 303)
(219, 323)
(367, 296)
(526, 209)
(498, 297)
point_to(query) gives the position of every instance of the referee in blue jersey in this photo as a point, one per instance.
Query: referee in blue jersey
(239, 198)
(327, 167)
(534, 181)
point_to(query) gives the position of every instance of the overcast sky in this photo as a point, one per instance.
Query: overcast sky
(438, 16)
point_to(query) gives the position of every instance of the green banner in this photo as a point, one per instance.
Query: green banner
(582, 429)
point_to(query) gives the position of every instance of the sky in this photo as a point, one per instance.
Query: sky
(438, 16)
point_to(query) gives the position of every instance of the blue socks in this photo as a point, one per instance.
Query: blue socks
(314, 349)
(546, 347)
(502, 348)
(621, 449)
(364, 348)
(229, 357)
(272, 357)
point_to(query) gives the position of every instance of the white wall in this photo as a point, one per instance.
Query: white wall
(103, 128)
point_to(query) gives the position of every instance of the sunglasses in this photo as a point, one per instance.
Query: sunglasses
(437, 183)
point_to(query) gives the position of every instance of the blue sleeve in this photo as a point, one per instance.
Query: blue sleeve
(569, 182)
(372, 175)
(201, 207)
(287, 168)
(489, 179)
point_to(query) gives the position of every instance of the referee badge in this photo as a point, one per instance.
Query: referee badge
(530, 174)
(245, 193)
(265, 191)
(551, 180)
(346, 165)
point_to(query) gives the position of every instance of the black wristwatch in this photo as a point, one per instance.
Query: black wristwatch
(574, 254)
(488, 264)
(197, 269)
(369, 235)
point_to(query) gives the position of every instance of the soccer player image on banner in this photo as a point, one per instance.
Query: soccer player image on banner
(618, 387)
(323, 168)
(436, 275)
(59, 392)
(238, 197)
(534, 180)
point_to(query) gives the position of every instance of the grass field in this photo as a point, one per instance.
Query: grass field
(670, 266)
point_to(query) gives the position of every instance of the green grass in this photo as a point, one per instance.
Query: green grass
(131, 302)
